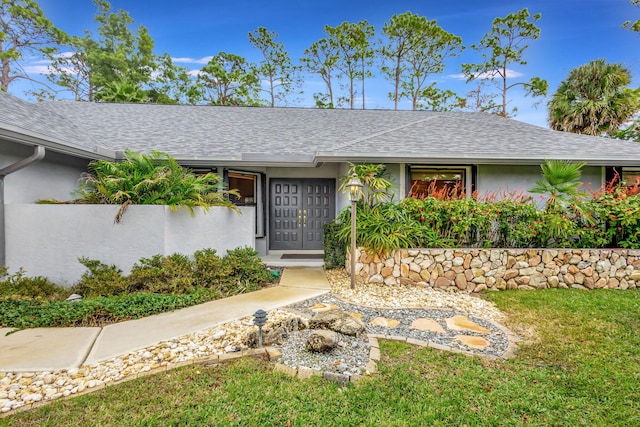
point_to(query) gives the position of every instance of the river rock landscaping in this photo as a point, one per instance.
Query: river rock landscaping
(446, 320)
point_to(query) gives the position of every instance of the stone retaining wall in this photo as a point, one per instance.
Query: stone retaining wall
(475, 270)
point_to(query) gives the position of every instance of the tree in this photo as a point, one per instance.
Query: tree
(635, 25)
(502, 47)
(435, 99)
(276, 67)
(117, 56)
(594, 99)
(24, 29)
(229, 80)
(416, 49)
(355, 53)
(321, 58)
(122, 91)
(172, 84)
(478, 100)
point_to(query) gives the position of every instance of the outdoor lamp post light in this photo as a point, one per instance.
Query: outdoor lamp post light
(260, 319)
(354, 186)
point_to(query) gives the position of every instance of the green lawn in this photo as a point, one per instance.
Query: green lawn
(580, 366)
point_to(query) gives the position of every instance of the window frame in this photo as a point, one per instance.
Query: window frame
(465, 169)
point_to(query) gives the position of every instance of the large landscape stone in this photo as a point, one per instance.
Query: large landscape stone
(339, 321)
(322, 341)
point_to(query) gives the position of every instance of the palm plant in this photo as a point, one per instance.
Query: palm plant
(151, 179)
(595, 99)
(376, 183)
(560, 181)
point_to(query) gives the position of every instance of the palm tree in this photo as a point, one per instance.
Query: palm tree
(560, 180)
(594, 100)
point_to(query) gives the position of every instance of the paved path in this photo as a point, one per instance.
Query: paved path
(50, 349)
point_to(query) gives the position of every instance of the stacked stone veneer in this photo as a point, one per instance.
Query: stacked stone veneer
(475, 270)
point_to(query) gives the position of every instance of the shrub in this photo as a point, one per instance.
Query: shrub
(209, 268)
(335, 251)
(100, 279)
(30, 287)
(162, 274)
(246, 269)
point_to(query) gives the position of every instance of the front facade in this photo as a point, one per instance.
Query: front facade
(287, 163)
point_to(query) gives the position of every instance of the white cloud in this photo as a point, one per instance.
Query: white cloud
(487, 75)
(194, 73)
(184, 60)
(36, 69)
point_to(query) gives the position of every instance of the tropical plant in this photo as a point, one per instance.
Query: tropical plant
(121, 91)
(151, 179)
(377, 185)
(595, 99)
(560, 181)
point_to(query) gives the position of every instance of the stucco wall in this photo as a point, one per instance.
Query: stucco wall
(47, 240)
(519, 179)
(54, 177)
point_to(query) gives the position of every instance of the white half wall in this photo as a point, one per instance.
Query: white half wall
(47, 240)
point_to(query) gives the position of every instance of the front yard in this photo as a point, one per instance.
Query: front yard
(578, 365)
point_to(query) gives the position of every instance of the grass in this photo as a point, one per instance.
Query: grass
(579, 366)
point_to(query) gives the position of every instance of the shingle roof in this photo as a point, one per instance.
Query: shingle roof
(21, 119)
(298, 135)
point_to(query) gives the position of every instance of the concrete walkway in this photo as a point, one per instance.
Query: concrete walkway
(51, 349)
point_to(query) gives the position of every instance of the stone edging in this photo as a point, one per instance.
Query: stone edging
(374, 356)
(272, 354)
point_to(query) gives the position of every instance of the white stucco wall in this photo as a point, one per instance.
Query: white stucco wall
(501, 179)
(47, 240)
(54, 177)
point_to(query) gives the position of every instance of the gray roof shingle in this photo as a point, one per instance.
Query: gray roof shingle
(281, 135)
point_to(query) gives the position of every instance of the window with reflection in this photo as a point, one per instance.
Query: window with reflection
(437, 182)
(246, 186)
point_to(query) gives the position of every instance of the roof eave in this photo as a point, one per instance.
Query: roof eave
(484, 159)
(23, 136)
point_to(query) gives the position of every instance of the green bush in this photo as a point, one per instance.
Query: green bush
(29, 287)
(100, 280)
(335, 251)
(21, 313)
(246, 269)
(209, 268)
(162, 274)
(609, 219)
(155, 285)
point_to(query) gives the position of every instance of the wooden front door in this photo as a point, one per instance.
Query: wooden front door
(298, 210)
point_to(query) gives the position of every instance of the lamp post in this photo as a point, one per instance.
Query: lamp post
(354, 186)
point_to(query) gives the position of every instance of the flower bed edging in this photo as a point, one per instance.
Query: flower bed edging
(475, 270)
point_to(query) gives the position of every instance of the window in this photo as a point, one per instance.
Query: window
(246, 186)
(442, 183)
(631, 180)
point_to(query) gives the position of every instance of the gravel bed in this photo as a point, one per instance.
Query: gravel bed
(353, 355)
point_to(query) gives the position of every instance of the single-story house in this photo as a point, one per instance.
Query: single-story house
(287, 162)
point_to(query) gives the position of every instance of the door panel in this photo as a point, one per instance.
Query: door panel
(298, 211)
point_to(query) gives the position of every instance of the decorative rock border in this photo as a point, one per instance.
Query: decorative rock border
(475, 270)
(266, 353)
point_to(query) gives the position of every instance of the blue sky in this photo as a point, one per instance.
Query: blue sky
(573, 32)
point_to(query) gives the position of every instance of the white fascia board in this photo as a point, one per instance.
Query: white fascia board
(485, 159)
(22, 136)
